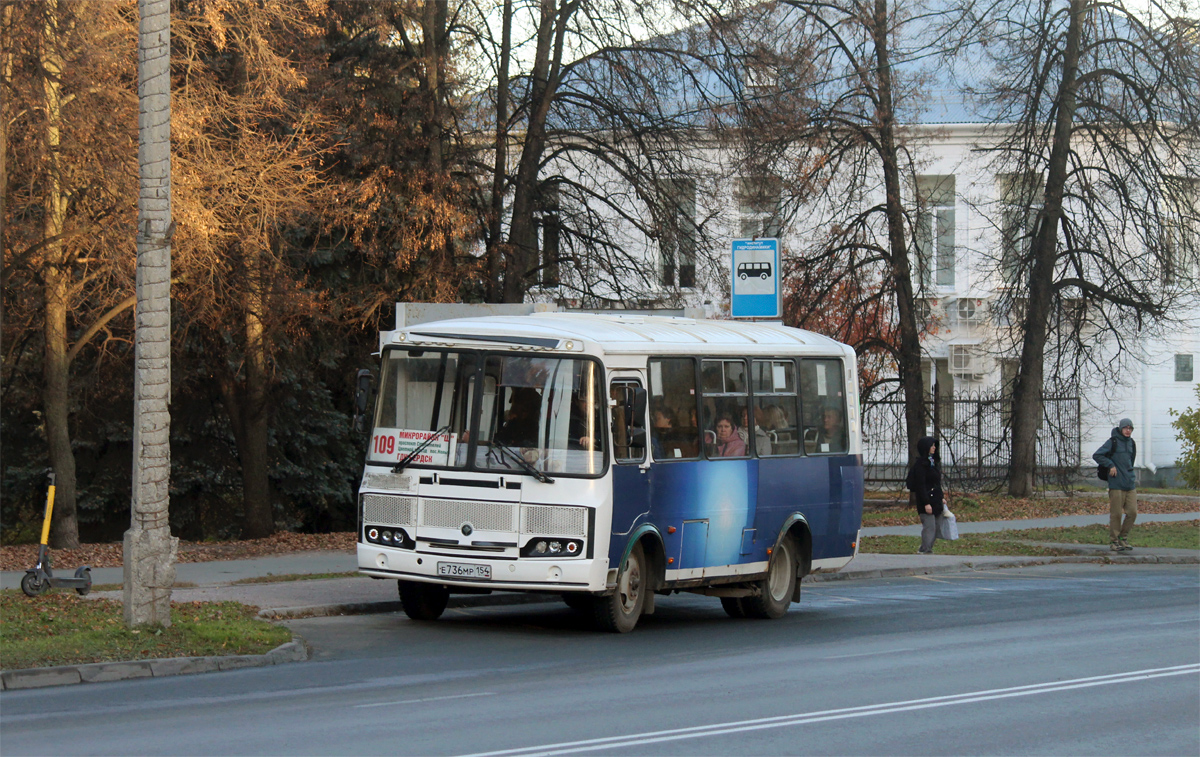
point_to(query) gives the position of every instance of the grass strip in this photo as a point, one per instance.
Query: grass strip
(1183, 534)
(1180, 534)
(62, 628)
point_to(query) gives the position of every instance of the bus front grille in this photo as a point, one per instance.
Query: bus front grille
(554, 521)
(483, 516)
(389, 510)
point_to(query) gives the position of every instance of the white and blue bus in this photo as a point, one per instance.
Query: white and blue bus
(610, 459)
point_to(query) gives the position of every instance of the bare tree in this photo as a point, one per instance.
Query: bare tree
(1100, 112)
(851, 156)
(597, 114)
(149, 547)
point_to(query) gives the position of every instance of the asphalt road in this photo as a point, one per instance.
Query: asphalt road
(1083, 659)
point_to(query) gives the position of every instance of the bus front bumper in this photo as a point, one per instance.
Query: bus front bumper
(576, 574)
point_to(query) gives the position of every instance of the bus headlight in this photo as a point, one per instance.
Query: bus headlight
(552, 548)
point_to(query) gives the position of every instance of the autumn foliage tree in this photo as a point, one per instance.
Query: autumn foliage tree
(70, 115)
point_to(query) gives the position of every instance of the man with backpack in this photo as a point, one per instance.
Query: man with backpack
(1115, 459)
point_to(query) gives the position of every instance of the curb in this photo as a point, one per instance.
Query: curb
(373, 608)
(295, 650)
(1019, 562)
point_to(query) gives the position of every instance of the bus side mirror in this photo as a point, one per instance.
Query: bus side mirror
(362, 396)
(638, 407)
(635, 417)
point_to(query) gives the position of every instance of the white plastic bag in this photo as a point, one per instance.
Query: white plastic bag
(947, 525)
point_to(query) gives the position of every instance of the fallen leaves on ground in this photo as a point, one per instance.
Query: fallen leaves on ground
(65, 561)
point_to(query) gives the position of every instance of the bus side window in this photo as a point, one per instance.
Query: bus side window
(775, 407)
(628, 421)
(674, 433)
(822, 398)
(727, 423)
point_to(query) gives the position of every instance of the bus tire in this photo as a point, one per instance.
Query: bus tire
(423, 601)
(776, 589)
(733, 607)
(619, 611)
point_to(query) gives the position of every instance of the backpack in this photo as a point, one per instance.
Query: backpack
(910, 481)
(1102, 471)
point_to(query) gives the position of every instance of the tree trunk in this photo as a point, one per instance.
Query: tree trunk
(1027, 392)
(495, 252)
(522, 236)
(56, 397)
(253, 440)
(908, 358)
(149, 547)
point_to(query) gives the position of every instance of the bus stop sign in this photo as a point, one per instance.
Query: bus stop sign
(755, 270)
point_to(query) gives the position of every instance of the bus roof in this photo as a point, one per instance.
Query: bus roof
(622, 334)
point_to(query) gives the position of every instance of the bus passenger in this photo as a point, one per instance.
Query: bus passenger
(727, 442)
(577, 432)
(520, 427)
(762, 442)
(831, 437)
(660, 433)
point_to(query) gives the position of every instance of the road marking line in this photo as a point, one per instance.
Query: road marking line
(867, 654)
(428, 699)
(782, 721)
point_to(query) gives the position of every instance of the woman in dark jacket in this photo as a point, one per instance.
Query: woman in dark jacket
(925, 481)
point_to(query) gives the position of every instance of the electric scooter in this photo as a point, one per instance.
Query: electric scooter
(40, 577)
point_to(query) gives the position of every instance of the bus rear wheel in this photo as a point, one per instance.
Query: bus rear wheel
(423, 601)
(775, 591)
(619, 611)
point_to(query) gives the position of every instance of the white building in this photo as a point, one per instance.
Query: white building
(962, 229)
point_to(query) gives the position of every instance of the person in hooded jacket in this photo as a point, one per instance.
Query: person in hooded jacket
(925, 482)
(1118, 455)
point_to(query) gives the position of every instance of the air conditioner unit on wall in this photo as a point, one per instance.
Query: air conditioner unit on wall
(971, 311)
(965, 361)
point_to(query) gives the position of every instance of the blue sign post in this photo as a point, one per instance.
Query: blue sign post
(755, 271)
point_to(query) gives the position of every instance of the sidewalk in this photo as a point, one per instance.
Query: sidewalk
(214, 581)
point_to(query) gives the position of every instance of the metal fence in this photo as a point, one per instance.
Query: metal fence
(974, 440)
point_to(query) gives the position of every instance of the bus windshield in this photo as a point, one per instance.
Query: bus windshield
(532, 411)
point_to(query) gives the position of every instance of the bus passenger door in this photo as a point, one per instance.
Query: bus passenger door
(631, 482)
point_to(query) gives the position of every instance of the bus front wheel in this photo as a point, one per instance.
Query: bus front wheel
(423, 601)
(619, 611)
(775, 591)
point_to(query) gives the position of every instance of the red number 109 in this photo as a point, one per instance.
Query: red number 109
(385, 445)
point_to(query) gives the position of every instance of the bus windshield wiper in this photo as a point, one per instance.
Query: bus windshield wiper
(521, 461)
(419, 449)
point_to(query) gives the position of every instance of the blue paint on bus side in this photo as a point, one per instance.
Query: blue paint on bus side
(730, 498)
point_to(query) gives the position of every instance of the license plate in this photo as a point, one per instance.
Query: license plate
(465, 570)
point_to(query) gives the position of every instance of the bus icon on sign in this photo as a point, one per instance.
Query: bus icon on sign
(748, 270)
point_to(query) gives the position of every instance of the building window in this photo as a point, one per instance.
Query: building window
(1020, 202)
(1179, 247)
(678, 244)
(759, 204)
(1183, 368)
(935, 230)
